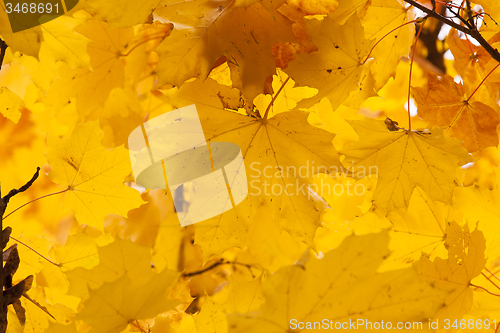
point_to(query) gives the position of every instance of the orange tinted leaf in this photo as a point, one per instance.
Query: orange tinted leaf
(443, 103)
(206, 30)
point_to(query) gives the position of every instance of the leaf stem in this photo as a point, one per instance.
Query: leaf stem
(411, 68)
(493, 283)
(274, 98)
(468, 99)
(27, 203)
(387, 34)
(489, 292)
(492, 274)
(32, 249)
(218, 263)
(142, 42)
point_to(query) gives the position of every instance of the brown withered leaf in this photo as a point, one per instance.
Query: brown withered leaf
(6, 253)
(12, 263)
(18, 290)
(444, 103)
(5, 236)
(20, 311)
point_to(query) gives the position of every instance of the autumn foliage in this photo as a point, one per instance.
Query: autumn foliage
(371, 156)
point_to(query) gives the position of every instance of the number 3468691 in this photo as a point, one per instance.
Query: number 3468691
(32, 8)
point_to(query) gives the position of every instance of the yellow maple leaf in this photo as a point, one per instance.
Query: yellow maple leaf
(27, 41)
(80, 250)
(211, 318)
(267, 246)
(420, 228)
(126, 14)
(183, 324)
(481, 205)
(173, 246)
(444, 103)
(404, 159)
(10, 104)
(62, 43)
(284, 98)
(92, 87)
(93, 176)
(465, 261)
(113, 305)
(244, 297)
(274, 151)
(321, 7)
(380, 18)
(121, 257)
(336, 68)
(121, 113)
(143, 224)
(348, 7)
(341, 288)
(483, 171)
(206, 30)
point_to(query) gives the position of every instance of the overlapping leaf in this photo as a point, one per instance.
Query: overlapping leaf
(128, 14)
(444, 103)
(274, 151)
(335, 69)
(342, 286)
(93, 176)
(465, 261)
(111, 307)
(10, 104)
(206, 30)
(405, 159)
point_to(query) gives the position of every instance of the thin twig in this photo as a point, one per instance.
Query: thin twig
(27, 203)
(489, 292)
(487, 278)
(411, 68)
(474, 33)
(32, 249)
(218, 263)
(22, 188)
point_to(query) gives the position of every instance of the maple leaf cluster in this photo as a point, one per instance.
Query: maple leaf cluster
(372, 164)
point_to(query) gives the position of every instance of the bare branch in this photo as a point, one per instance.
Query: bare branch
(22, 188)
(3, 205)
(3, 48)
(474, 33)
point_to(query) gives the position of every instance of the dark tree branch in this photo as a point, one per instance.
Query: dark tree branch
(3, 206)
(22, 188)
(3, 48)
(429, 37)
(473, 32)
